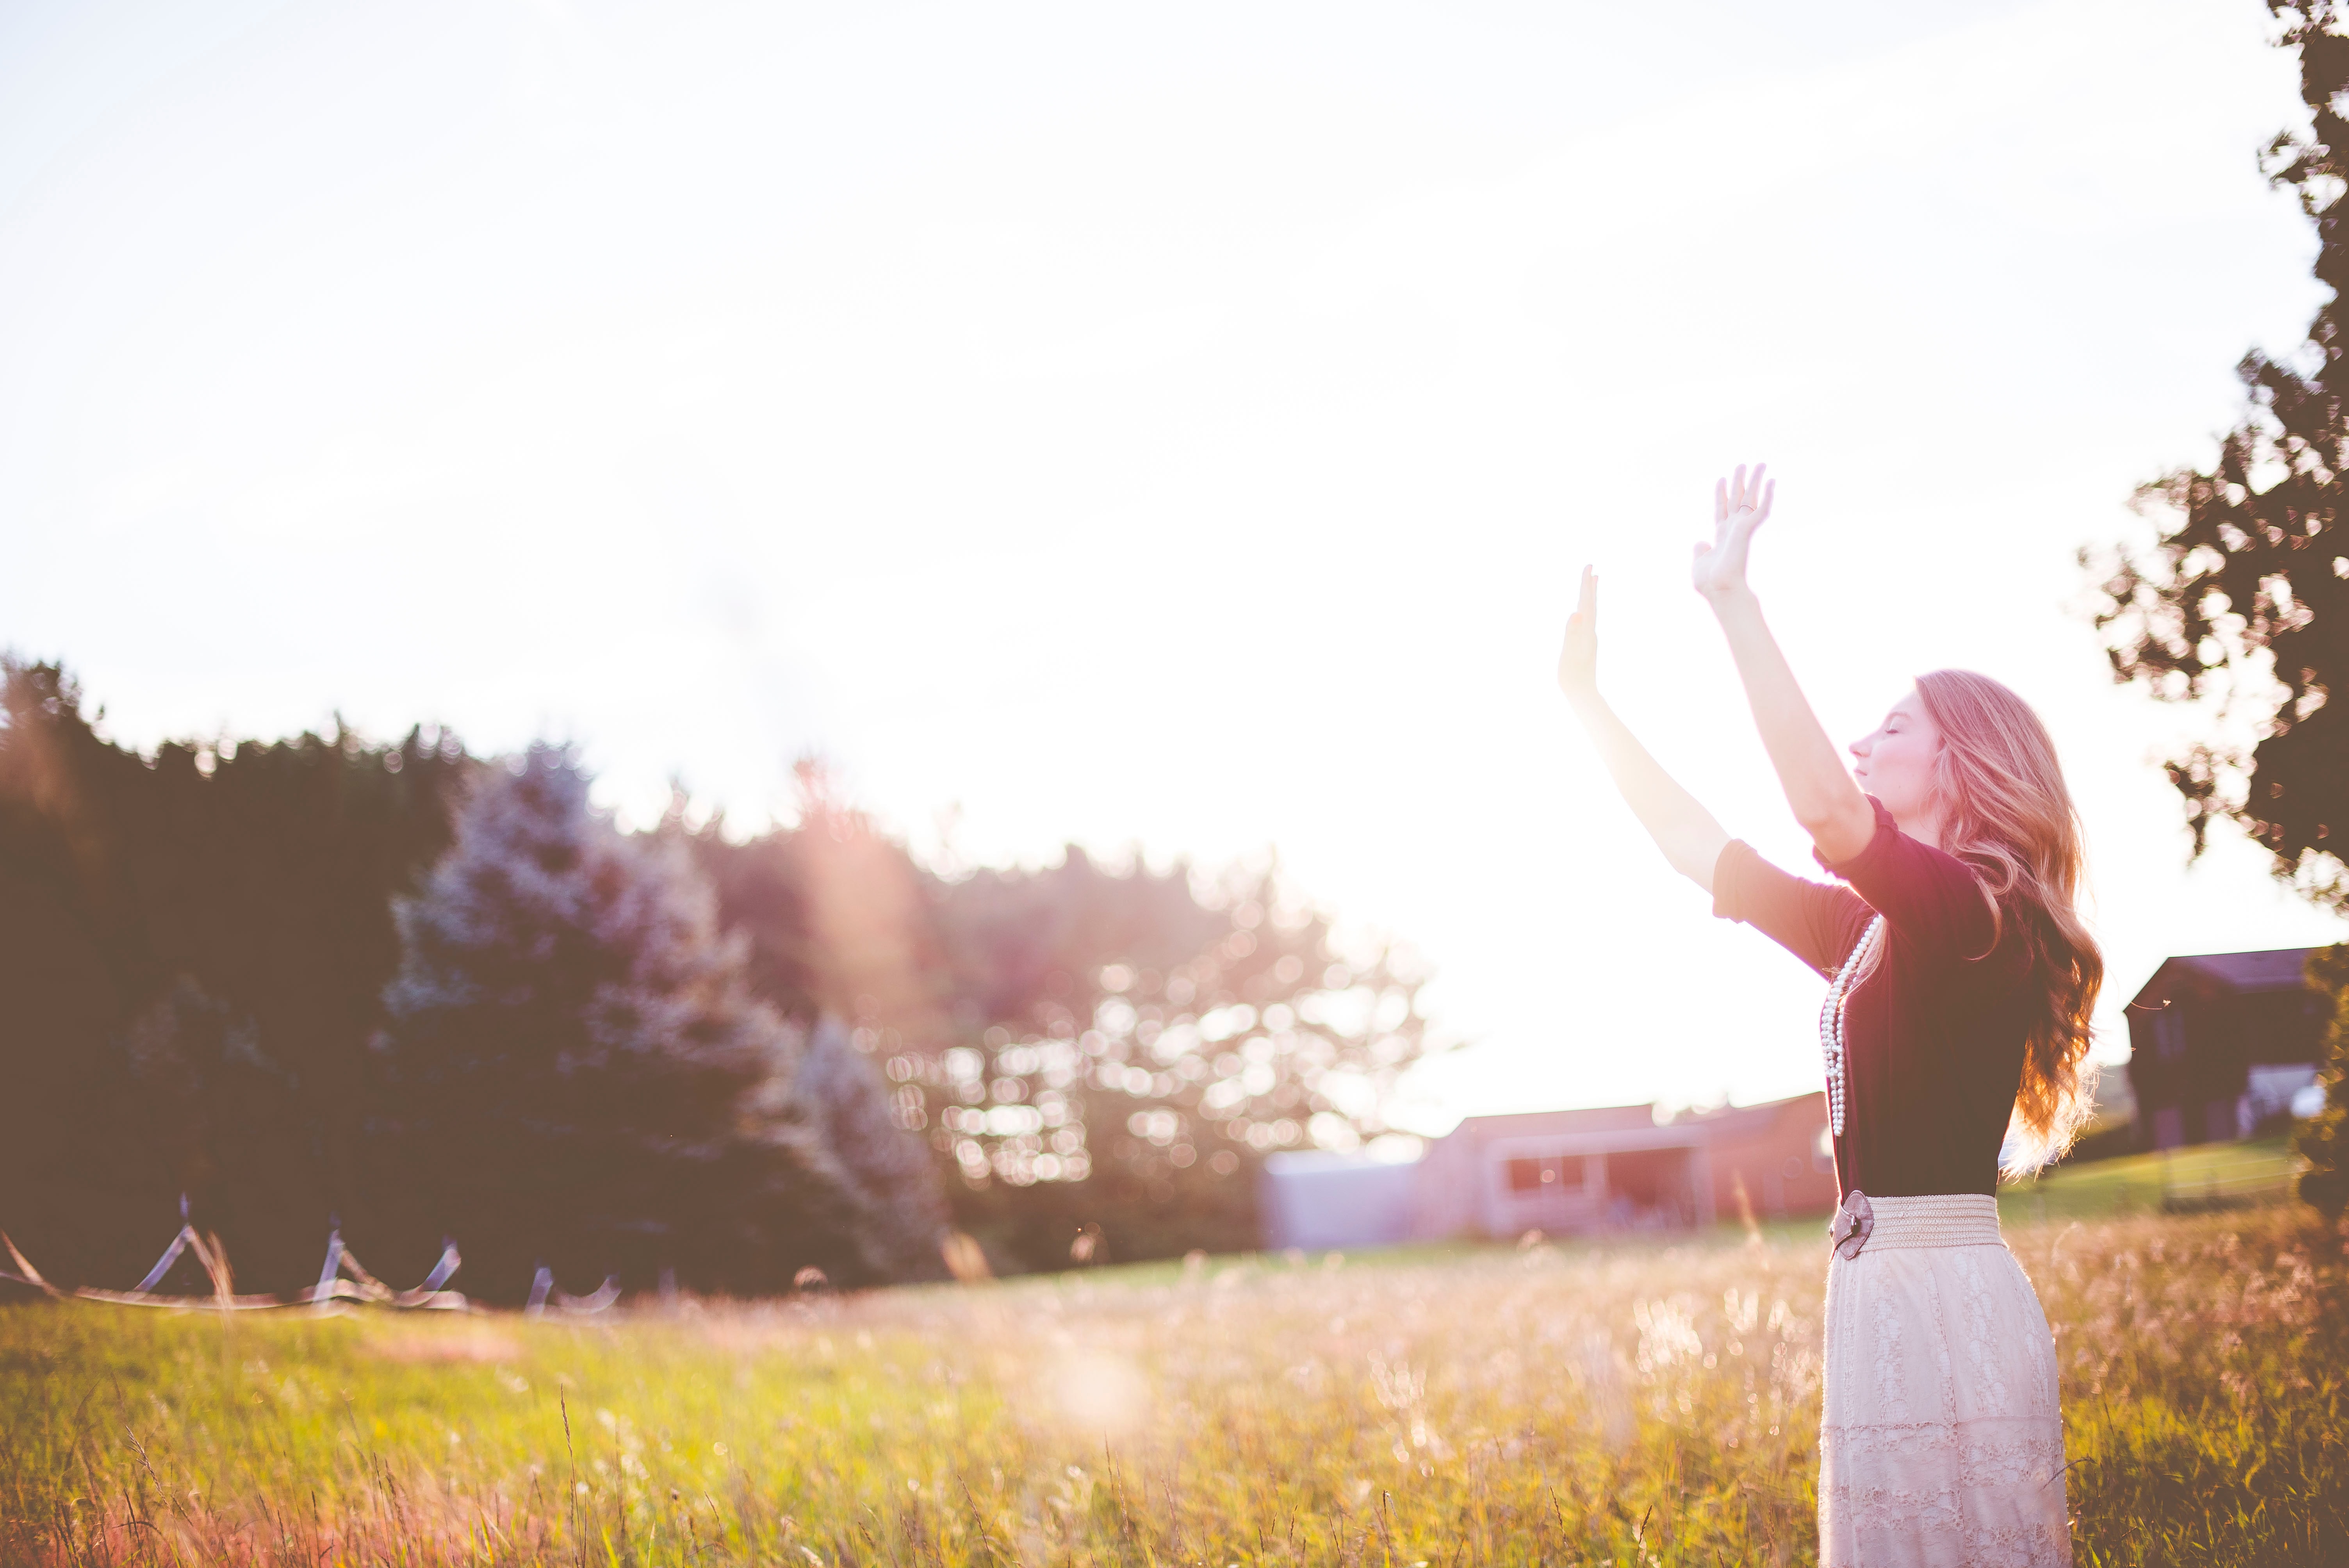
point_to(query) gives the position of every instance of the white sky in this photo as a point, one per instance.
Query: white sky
(1171, 425)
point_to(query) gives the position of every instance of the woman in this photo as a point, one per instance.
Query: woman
(1959, 985)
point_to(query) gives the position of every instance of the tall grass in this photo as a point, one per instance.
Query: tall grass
(1651, 1405)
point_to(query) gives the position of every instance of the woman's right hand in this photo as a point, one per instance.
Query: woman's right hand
(1577, 662)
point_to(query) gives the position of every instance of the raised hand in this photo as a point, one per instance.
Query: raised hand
(1577, 662)
(1740, 506)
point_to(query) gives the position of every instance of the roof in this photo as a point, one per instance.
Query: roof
(2206, 975)
(1729, 1119)
(1551, 1123)
(1749, 1120)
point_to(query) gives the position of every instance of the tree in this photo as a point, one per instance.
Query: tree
(191, 944)
(2325, 1141)
(2244, 600)
(674, 1049)
(1171, 1021)
(586, 1077)
(1096, 1051)
(889, 1171)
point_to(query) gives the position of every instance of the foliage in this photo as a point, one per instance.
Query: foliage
(2324, 1141)
(1191, 1023)
(2244, 597)
(1140, 1036)
(900, 1215)
(585, 1076)
(1120, 1211)
(195, 946)
(1625, 1404)
(192, 945)
(587, 1059)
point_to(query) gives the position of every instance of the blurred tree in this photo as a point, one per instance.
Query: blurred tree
(1162, 1032)
(198, 945)
(584, 1074)
(1090, 1050)
(871, 1135)
(191, 944)
(2244, 596)
(2324, 1140)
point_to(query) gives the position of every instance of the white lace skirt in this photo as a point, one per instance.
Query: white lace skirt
(1942, 1441)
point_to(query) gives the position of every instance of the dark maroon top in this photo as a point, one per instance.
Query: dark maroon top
(1934, 1040)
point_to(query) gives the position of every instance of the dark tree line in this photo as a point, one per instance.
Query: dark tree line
(429, 993)
(190, 948)
(2241, 604)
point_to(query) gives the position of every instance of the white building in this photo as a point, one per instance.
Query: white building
(1562, 1172)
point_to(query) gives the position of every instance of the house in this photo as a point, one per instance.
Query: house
(1562, 1172)
(1778, 1156)
(2220, 1042)
(1559, 1171)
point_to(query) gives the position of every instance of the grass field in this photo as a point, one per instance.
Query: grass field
(1639, 1405)
(2210, 1176)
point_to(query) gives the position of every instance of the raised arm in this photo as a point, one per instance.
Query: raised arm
(1826, 802)
(1691, 840)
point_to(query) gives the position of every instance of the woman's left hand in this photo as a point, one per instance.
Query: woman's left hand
(1739, 507)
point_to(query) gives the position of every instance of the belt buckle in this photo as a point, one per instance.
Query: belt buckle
(1849, 1231)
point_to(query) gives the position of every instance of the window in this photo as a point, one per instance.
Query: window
(2170, 1033)
(1549, 1175)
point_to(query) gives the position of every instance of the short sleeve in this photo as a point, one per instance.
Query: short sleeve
(1817, 924)
(1928, 896)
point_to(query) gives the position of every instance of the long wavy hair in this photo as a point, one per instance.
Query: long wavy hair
(2005, 811)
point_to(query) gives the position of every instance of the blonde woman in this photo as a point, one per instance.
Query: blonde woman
(1959, 985)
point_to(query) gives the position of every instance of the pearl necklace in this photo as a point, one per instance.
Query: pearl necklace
(1831, 1037)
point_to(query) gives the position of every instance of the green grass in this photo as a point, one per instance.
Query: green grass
(2207, 1176)
(1628, 1404)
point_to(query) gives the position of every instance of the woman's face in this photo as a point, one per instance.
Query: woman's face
(1895, 764)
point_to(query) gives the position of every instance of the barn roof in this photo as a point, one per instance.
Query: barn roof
(2225, 974)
